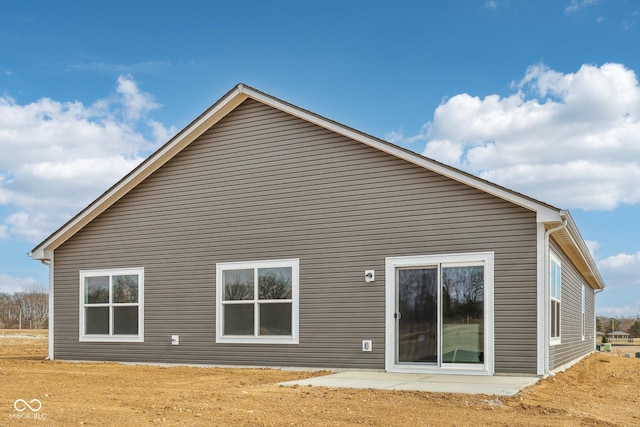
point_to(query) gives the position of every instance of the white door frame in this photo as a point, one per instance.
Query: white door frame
(393, 263)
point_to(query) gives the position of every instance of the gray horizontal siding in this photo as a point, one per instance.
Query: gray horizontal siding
(572, 345)
(264, 185)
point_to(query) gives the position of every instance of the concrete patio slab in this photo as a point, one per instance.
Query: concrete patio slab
(471, 384)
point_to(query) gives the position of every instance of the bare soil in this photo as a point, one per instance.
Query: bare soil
(601, 390)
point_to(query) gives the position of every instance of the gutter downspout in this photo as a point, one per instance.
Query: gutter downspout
(547, 294)
(595, 318)
(49, 263)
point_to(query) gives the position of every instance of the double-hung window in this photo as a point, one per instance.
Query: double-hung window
(257, 302)
(111, 305)
(555, 283)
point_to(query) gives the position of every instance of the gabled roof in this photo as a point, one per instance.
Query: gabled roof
(545, 213)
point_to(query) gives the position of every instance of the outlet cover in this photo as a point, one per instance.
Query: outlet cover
(366, 345)
(175, 339)
(369, 276)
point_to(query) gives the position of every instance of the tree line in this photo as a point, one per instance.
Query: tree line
(25, 310)
(630, 325)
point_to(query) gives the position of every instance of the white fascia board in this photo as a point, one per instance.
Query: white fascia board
(544, 213)
(541, 301)
(40, 254)
(219, 110)
(231, 100)
(579, 243)
(51, 313)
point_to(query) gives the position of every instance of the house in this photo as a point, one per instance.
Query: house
(619, 336)
(265, 235)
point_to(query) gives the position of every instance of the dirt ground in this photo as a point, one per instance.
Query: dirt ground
(602, 390)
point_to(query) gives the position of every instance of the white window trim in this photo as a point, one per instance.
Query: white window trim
(392, 263)
(113, 338)
(583, 317)
(244, 339)
(555, 340)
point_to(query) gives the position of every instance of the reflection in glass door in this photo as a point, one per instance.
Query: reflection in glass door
(417, 315)
(440, 314)
(463, 314)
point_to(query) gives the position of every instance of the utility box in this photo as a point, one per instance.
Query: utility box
(175, 339)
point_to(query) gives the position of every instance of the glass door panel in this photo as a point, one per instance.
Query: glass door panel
(417, 315)
(463, 314)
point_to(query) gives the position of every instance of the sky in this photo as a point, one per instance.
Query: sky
(540, 96)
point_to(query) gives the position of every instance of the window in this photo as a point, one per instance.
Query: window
(111, 307)
(555, 283)
(257, 302)
(583, 314)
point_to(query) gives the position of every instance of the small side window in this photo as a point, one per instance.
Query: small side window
(555, 283)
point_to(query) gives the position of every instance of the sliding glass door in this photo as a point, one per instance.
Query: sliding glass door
(440, 314)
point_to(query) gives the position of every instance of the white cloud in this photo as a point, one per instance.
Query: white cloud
(135, 103)
(6, 71)
(567, 139)
(621, 273)
(593, 246)
(579, 4)
(622, 269)
(11, 284)
(58, 156)
(399, 137)
(145, 67)
(159, 132)
(490, 4)
(139, 67)
(629, 310)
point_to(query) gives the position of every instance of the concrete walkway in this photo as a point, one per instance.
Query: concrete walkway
(472, 384)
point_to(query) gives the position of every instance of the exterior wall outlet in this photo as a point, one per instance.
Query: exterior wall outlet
(366, 345)
(369, 276)
(175, 339)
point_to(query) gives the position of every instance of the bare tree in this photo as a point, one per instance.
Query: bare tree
(29, 309)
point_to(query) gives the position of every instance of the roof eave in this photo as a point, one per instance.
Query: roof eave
(44, 251)
(216, 112)
(544, 212)
(575, 248)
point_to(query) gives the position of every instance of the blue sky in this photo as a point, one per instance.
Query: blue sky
(539, 96)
